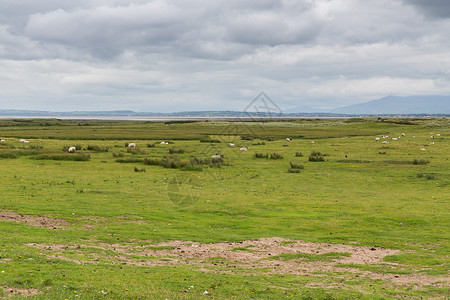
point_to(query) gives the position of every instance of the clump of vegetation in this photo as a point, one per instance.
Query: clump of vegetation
(382, 152)
(298, 154)
(259, 144)
(276, 156)
(316, 156)
(261, 155)
(8, 154)
(118, 154)
(136, 150)
(246, 138)
(173, 163)
(293, 171)
(71, 157)
(217, 160)
(151, 162)
(330, 256)
(427, 176)
(97, 148)
(200, 161)
(296, 166)
(174, 151)
(417, 161)
(136, 169)
(151, 145)
(129, 160)
(210, 141)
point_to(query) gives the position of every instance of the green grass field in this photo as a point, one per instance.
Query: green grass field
(371, 220)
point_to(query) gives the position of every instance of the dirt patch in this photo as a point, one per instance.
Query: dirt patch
(34, 220)
(19, 292)
(269, 255)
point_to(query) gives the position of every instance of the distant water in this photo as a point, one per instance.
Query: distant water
(173, 118)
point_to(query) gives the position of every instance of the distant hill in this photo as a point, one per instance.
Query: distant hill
(400, 105)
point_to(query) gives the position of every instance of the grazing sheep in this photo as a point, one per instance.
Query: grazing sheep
(385, 142)
(217, 156)
(164, 143)
(72, 149)
(423, 149)
(403, 134)
(432, 143)
(312, 142)
(2, 141)
(413, 136)
(231, 144)
(377, 139)
(438, 134)
(244, 149)
(132, 145)
(394, 139)
(431, 137)
(23, 141)
(288, 140)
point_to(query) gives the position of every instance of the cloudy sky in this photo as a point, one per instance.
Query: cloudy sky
(174, 55)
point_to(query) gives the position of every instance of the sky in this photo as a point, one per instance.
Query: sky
(178, 55)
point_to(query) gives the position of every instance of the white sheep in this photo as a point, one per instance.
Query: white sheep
(394, 139)
(385, 142)
(2, 141)
(243, 149)
(312, 142)
(217, 156)
(132, 145)
(377, 139)
(403, 134)
(72, 149)
(288, 140)
(164, 143)
(438, 134)
(231, 144)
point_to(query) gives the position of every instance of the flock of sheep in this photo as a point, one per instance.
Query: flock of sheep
(386, 137)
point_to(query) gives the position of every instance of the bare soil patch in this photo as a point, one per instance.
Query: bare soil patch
(19, 292)
(260, 255)
(34, 220)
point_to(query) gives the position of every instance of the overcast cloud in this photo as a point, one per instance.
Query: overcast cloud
(174, 55)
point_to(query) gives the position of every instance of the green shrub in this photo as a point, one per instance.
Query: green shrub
(199, 161)
(172, 163)
(151, 145)
(298, 154)
(427, 176)
(293, 171)
(316, 156)
(246, 138)
(8, 155)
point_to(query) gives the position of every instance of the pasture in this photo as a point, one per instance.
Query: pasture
(332, 214)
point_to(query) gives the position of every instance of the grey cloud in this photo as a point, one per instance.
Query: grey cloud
(434, 8)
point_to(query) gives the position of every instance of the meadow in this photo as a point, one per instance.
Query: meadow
(333, 214)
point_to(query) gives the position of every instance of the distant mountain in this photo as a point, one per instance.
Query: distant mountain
(400, 105)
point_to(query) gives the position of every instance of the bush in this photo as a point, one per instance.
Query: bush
(246, 138)
(172, 163)
(293, 171)
(296, 166)
(173, 151)
(118, 154)
(382, 152)
(276, 156)
(136, 169)
(261, 155)
(259, 144)
(151, 145)
(420, 161)
(298, 154)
